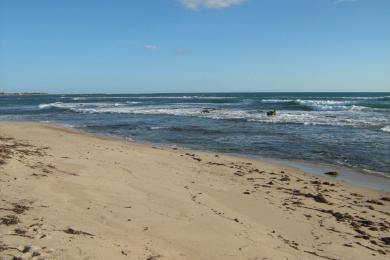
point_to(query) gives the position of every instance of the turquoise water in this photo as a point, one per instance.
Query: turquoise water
(348, 129)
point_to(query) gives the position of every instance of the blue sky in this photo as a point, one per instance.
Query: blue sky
(143, 46)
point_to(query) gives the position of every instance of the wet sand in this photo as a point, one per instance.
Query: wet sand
(356, 177)
(71, 195)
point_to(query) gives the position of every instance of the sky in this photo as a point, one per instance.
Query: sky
(150, 46)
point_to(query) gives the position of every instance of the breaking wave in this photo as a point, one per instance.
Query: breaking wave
(386, 128)
(355, 116)
(332, 105)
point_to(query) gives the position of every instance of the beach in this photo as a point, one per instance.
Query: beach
(349, 130)
(74, 195)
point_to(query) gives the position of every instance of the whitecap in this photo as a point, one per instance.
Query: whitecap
(79, 98)
(386, 128)
(276, 100)
(355, 117)
(326, 105)
(181, 97)
(157, 127)
(55, 104)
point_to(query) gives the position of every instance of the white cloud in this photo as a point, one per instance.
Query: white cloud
(151, 47)
(196, 4)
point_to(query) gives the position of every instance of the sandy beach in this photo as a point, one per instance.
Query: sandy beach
(71, 195)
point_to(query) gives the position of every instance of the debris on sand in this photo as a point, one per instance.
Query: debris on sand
(239, 173)
(374, 202)
(9, 220)
(319, 198)
(9, 147)
(3, 246)
(285, 178)
(340, 216)
(26, 249)
(20, 209)
(386, 240)
(76, 232)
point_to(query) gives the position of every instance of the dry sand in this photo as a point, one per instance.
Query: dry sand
(70, 195)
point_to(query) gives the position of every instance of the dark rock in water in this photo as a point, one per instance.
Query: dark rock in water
(385, 198)
(386, 240)
(319, 198)
(271, 113)
(333, 174)
(207, 110)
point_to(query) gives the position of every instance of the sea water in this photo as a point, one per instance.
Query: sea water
(346, 129)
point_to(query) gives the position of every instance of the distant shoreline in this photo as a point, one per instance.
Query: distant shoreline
(189, 93)
(24, 94)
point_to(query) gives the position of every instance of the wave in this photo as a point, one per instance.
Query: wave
(366, 98)
(55, 104)
(325, 105)
(354, 116)
(375, 105)
(329, 105)
(183, 97)
(80, 107)
(386, 128)
(149, 97)
(315, 105)
(79, 98)
(277, 100)
(158, 127)
(337, 104)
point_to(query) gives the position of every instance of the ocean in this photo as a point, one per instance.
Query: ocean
(346, 129)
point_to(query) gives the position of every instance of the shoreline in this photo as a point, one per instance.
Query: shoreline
(68, 194)
(356, 177)
(351, 176)
(236, 123)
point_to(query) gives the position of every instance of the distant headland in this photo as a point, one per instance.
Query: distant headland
(23, 94)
